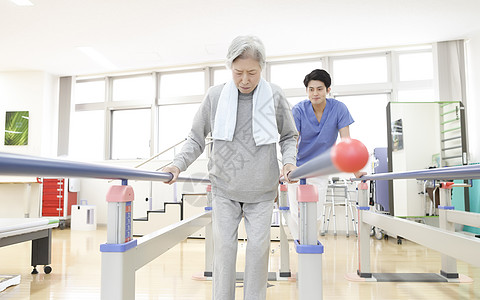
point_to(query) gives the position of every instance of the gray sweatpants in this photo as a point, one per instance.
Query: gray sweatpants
(226, 216)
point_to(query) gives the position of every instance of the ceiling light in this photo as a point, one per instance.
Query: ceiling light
(97, 57)
(22, 2)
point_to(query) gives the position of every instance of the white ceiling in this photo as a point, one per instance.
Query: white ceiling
(146, 34)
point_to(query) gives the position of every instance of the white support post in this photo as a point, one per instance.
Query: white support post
(284, 271)
(118, 274)
(449, 264)
(363, 233)
(118, 257)
(309, 249)
(208, 238)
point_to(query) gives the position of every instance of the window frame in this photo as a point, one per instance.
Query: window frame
(391, 87)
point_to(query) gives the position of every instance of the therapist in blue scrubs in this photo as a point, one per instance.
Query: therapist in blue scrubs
(319, 120)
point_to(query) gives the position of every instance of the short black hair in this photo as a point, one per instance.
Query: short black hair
(318, 74)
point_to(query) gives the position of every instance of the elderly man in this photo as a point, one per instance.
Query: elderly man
(247, 117)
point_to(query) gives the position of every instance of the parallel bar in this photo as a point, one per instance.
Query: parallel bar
(292, 224)
(154, 244)
(24, 165)
(319, 166)
(445, 173)
(456, 245)
(463, 217)
(118, 268)
(345, 154)
(349, 155)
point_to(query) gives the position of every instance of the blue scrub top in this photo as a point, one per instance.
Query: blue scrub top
(315, 138)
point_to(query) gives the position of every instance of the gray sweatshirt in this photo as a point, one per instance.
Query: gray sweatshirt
(239, 170)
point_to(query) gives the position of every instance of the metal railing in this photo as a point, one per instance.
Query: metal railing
(21, 165)
(445, 173)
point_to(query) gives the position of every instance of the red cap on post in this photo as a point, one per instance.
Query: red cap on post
(350, 155)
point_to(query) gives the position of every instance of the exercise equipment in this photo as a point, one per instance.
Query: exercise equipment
(347, 156)
(122, 255)
(20, 165)
(445, 240)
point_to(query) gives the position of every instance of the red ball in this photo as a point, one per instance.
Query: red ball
(350, 155)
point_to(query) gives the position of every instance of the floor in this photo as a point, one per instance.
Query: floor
(76, 271)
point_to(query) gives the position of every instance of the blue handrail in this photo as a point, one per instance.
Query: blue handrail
(25, 165)
(445, 173)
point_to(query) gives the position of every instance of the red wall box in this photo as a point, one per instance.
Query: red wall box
(57, 201)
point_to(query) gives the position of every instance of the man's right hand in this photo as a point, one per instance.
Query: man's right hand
(174, 171)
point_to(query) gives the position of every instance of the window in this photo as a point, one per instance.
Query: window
(369, 114)
(87, 138)
(416, 66)
(291, 75)
(422, 95)
(360, 70)
(90, 91)
(174, 124)
(221, 76)
(294, 100)
(182, 84)
(138, 88)
(131, 134)
(364, 82)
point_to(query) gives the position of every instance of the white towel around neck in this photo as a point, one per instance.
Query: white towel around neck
(264, 123)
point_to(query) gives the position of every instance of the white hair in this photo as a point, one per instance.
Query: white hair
(246, 46)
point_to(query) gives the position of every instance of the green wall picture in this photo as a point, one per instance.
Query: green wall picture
(16, 128)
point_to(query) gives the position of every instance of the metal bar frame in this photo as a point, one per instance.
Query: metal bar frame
(444, 239)
(118, 268)
(445, 173)
(122, 256)
(463, 247)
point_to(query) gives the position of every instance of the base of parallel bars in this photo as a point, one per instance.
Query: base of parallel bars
(272, 276)
(118, 247)
(364, 275)
(310, 284)
(448, 275)
(285, 274)
(408, 277)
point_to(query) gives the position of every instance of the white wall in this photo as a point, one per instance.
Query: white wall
(18, 200)
(36, 92)
(421, 139)
(473, 96)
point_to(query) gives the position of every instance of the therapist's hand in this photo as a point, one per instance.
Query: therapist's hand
(175, 172)
(359, 174)
(287, 168)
